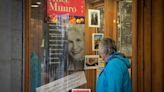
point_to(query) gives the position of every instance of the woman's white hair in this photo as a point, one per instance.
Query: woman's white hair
(108, 45)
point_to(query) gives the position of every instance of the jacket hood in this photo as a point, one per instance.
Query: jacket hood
(122, 57)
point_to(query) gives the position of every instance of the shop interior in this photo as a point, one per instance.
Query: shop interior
(114, 21)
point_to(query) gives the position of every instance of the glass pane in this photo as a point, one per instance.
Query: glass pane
(124, 26)
(57, 42)
(38, 75)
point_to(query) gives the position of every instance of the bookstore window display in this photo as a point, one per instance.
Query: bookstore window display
(57, 45)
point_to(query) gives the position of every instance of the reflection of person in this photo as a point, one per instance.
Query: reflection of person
(76, 47)
(114, 77)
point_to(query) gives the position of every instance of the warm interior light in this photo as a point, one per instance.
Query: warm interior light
(34, 6)
(38, 3)
(114, 21)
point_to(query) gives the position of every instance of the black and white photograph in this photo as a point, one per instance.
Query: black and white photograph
(75, 47)
(94, 18)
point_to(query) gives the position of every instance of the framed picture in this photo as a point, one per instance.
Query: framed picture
(91, 62)
(94, 18)
(96, 38)
(81, 90)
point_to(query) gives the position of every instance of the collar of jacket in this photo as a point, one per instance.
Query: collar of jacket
(113, 55)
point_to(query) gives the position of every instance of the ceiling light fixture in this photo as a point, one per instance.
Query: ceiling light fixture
(38, 3)
(34, 6)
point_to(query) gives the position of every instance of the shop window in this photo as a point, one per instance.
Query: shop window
(61, 43)
(57, 45)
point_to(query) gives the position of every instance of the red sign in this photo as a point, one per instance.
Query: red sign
(70, 7)
(81, 90)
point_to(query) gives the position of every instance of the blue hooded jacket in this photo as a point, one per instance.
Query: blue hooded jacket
(115, 77)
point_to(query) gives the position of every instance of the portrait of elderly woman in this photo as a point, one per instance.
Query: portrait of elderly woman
(75, 47)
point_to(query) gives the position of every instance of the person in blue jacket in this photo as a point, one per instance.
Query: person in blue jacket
(114, 77)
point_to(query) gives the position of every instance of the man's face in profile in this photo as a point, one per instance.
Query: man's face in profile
(101, 51)
(76, 45)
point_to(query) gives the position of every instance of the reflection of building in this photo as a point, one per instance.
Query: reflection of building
(124, 26)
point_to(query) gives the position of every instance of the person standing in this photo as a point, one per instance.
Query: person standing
(114, 77)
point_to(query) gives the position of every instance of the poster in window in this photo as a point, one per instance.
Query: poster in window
(74, 11)
(75, 47)
(63, 35)
(81, 90)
